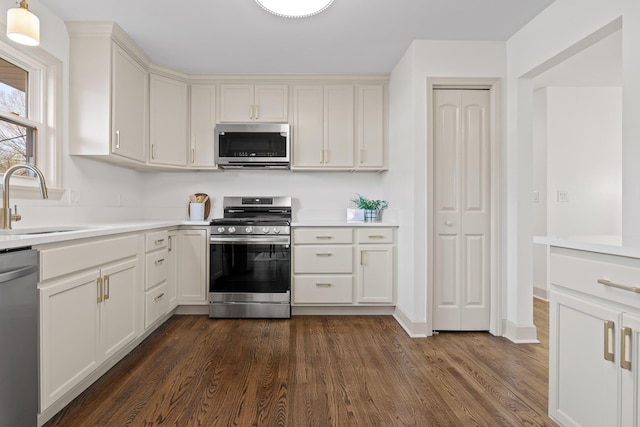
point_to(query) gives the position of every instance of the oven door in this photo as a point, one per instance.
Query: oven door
(251, 265)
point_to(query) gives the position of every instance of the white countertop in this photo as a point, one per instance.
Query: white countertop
(338, 223)
(613, 245)
(84, 231)
(88, 231)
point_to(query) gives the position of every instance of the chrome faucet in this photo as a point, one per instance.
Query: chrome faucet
(5, 211)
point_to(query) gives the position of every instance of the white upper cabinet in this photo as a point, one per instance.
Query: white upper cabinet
(108, 96)
(323, 126)
(241, 103)
(203, 123)
(371, 145)
(167, 121)
(339, 127)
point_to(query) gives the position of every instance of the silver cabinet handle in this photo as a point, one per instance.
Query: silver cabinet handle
(153, 151)
(159, 261)
(361, 155)
(324, 285)
(159, 297)
(158, 242)
(448, 223)
(619, 286)
(15, 274)
(323, 254)
(625, 349)
(117, 139)
(257, 111)
(608, 340)
(324, 237)
(376, 236)
(170, 244)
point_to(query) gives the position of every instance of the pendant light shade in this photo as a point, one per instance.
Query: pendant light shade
(294, 8)
(23, 26)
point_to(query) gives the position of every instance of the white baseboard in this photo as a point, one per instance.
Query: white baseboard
(412, 328)
(520, 334)
(541, 293)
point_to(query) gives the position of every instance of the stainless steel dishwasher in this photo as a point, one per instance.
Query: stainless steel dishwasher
(18, 337)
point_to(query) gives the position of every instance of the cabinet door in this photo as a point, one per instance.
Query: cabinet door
(203, 123)
(69, 334)
(630, 345)
(118, 310)
(271, 103)
(371, 145)
(168, 121)
(193, 260)
(338, 126)
(375, 274)
(172, 267)
(583, 382)
(236, 103)
(308, 126)
(129, 106)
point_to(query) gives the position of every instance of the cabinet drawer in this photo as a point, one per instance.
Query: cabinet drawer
(156, 304)
(375, 235)
(156, 240)
(323, 289)
(581, 270)
(323, 259)
(156, 268)
(317, 236)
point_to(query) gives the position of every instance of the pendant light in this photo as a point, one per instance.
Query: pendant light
(23, 26)
(294, 8)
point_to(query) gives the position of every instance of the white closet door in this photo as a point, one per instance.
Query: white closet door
(461, 210)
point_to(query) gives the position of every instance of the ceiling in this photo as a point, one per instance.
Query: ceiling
(351, 36)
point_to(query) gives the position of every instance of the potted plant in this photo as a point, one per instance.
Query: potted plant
(372, 208)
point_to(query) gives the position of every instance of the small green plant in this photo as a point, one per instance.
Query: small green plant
(368, 204)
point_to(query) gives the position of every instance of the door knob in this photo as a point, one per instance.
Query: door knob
(448, 223)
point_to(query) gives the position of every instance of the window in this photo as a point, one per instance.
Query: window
(30, 105)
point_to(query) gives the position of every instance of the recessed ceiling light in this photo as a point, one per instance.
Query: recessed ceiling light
(294, 8)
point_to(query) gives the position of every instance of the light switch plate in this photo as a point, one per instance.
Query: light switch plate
(563, 196)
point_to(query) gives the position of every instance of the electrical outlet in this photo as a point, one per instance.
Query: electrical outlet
(563, 196)
(74, 197)
(536, 197)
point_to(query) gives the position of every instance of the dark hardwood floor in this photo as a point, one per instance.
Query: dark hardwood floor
(319, 371)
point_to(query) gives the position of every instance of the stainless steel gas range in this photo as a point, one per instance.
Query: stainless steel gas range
(250, 259)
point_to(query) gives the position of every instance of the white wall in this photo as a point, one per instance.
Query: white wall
(408, 174)
(584, 153)
(577, 148)
(540, 187)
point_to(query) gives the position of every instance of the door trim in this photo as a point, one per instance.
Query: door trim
(495, 127)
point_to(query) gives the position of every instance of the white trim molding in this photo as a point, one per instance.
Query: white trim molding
(520, 334)
(413, 328)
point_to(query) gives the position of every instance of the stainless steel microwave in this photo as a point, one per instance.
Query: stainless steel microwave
(259, 145)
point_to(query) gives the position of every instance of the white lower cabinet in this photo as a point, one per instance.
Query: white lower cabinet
(193, 254)
(156, 301)
(88, 316)
(593, 339)
(327, 271)
(172, 269)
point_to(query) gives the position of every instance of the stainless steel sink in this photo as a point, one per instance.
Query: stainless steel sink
(40, 230)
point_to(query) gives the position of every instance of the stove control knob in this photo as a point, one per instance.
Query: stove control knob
(232, 229)
(220, 229)
(276, 230)
(248, 229)
(265, 230)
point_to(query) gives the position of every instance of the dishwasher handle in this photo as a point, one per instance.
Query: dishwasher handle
(17, 273)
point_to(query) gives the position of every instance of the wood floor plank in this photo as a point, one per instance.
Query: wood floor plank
(319, 371)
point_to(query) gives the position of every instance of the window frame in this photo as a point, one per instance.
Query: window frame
(44, 113)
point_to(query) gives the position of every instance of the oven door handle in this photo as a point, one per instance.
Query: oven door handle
(284, 240)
